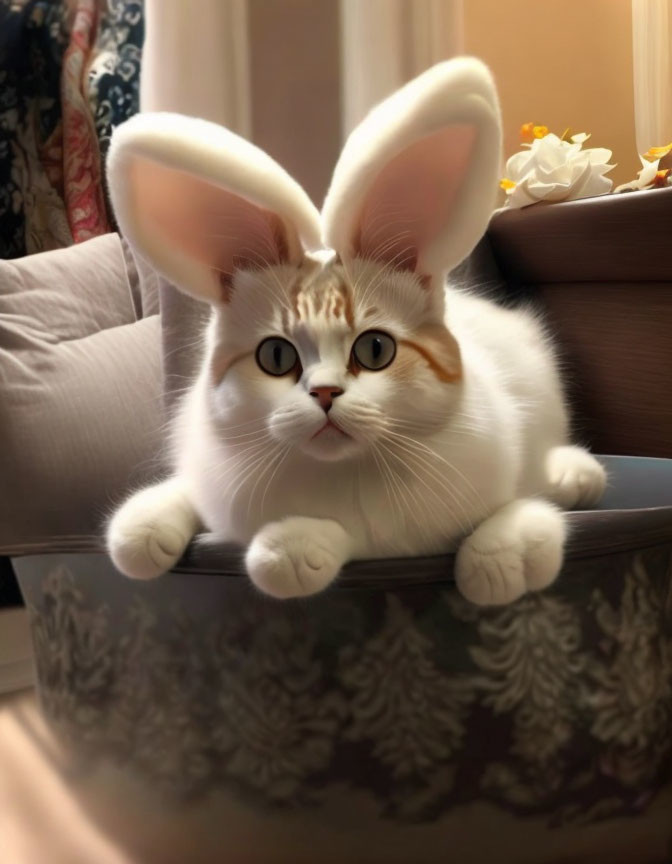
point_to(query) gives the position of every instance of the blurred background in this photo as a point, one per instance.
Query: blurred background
(295, 76)
(315, 68)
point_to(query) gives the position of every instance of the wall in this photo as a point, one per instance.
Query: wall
(561, 63)
(558, 62)
(295, 83)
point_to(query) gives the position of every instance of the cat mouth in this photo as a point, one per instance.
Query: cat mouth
(330, 429)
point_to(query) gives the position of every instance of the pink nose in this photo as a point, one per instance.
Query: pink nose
(325, 396)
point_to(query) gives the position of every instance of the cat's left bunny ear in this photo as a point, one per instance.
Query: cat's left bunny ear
(198, 202)
(417, 180)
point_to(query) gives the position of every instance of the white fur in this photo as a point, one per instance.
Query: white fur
(450, 93)
(421, 462)
(297, 556)
(152, 530)
(221, 159)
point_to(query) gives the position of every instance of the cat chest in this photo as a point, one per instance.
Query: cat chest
(385, 513)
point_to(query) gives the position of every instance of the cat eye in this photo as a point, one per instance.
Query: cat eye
(277, 356)
(374, 350)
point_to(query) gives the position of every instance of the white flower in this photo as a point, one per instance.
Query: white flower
(552, 169)
(651, 176)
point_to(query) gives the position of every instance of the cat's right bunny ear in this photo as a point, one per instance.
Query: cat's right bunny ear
(198, 202)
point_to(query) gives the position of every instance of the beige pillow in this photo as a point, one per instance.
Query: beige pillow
(81, 407)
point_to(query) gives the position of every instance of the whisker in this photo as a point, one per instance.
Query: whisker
(240, 459)
(272, 457)
(412, 513)
(449, 465)
(283, 457)
(246, 475)
(443, 486)
(383, 468)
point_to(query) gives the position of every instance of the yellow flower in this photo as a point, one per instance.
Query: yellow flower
(657, 152)
(528, 132)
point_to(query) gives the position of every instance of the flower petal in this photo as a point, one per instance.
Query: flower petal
(657, 152)
(598, 154)
(557, 169)
(660, 180)
(526, 132)
(518, 165)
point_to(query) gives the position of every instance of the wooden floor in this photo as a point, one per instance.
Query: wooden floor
(16, 650)
(48, 819)
(40, 820)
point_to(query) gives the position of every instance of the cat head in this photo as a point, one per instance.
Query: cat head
(328, 331)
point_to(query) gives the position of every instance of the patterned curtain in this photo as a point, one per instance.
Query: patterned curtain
(69, 73)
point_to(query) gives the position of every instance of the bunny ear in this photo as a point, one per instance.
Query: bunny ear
(416, 183)
(198, 202)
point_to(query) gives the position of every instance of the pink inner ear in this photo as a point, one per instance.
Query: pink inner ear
(213, 226)
(411, 201)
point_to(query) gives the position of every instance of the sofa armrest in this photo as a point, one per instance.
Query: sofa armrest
(601, 271)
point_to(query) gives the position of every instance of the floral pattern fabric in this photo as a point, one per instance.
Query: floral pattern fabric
(114, 73)
(69, 73)
(559, 705)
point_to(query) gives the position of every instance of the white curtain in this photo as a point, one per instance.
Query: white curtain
(196, 61)
(384, 43)
(213, 58)
(652, 67)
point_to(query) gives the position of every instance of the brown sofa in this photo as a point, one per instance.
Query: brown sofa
(601, 270)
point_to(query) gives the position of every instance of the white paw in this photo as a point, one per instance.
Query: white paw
(297, 557)
(575, 477)
(518, 549)
(150, 531)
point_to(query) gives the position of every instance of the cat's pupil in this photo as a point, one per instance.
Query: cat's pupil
(374, 351)
(277, 356)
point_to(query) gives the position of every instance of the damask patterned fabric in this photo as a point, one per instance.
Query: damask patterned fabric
(558, 706)
(33, 38)
(114, 74)
(69, 73)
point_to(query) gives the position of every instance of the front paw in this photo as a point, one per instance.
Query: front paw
(297, 557)
(150, 531)
(575, 477)
(517, 549)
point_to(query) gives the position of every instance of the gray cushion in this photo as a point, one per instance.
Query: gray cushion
(80, 388)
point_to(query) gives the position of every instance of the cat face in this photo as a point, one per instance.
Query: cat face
(360, 352)
(333, 361)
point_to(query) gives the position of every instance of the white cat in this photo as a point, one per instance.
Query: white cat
(349, 405)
